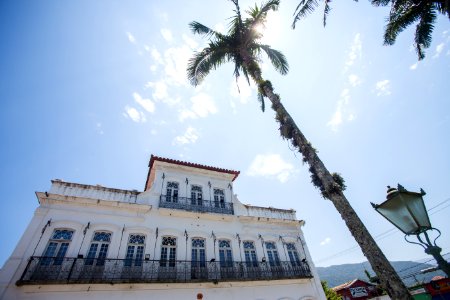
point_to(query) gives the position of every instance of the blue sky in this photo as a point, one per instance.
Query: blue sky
(90, 89)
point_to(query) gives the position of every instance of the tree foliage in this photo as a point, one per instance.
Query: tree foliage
(329, 293)
(403, 13)
(242, 38)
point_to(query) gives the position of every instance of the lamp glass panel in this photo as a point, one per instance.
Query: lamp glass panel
(417, 207)
(396, 212)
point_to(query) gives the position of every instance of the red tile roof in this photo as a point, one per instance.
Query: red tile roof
(349, 284)
(154, 158)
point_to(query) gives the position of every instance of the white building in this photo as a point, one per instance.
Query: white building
(186, 233)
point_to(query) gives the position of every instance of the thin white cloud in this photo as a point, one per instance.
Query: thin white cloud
(271, 166)
(383, 88)
(355, 51)
(341, 111)
(186, 114)
(202, 106)
(175, 62)
(159, 89)
(241, 90)
(131, 38)
(439, 49)
(354, 80)
(134, 114)
(190, 42)
(99, 128)
(336, 120)
(413, 66)
(147, 104)
(167, 34)
(156, 56)
(189, 137)
(325, 241)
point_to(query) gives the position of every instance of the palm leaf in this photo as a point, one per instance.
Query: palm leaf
(277, 59)
(259, 14)
(424, 30)
(208, 59)
(261, 101)
(304, 8)
(325, 12)
(380, 2)
(398, 21)
(198, 28)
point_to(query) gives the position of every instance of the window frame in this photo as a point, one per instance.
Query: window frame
(250, 255)
(169, 258)
(100, 253)
(174, 193)
(225, 254)
(137, 254)
(272, 254)
(219, 197)
(57, 255)
(195, 199)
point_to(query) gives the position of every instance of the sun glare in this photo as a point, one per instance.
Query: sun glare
(271, 30)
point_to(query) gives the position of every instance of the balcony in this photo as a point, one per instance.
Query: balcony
(196, 205)
(51, 270)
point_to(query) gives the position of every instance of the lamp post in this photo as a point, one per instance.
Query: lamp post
(407, 211)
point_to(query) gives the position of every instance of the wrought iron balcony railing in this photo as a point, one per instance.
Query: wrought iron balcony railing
(198, 205)
(51, 270)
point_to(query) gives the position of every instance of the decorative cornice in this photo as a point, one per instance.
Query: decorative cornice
(94, 187)
(74, 200)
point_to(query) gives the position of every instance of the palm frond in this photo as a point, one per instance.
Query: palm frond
(443, 6)
(208, 59)
(261, 101)
(304, 8)
(424, 30)
(398, 21)
(236, 25)
(326, 11)
(380, 2)
(259, 14)
(277, 59)
(198, 28)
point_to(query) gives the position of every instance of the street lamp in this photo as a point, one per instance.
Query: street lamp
(407, 211)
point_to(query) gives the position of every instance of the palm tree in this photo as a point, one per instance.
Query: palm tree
(241, 46)
(403, 13)
(406, 12)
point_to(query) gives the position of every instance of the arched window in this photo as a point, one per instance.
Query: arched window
(57, 247)
(99, 248)
(135, 250)
(198, 252)
(219, 198)
(293, 254)
(272, 254)
(168, 251)
(172, 191)
(250, 254)
(198, 262)
(196, 195)
(225, 254)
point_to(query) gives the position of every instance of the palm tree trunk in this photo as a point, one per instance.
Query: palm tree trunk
(332, 190)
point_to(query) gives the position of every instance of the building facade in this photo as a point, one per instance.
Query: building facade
(186, 233)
